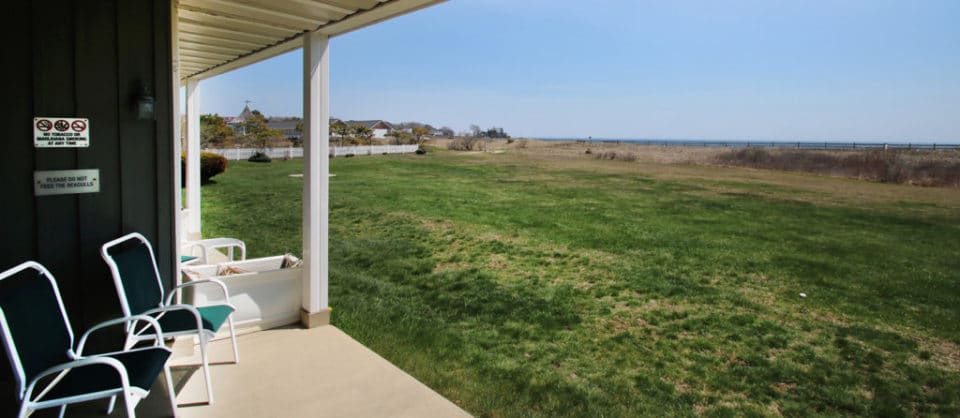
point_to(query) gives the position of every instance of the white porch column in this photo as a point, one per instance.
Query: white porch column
(316, 180)
(177, 147)
(193, 159)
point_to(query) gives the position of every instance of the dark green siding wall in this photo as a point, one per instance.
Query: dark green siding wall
(87, 58)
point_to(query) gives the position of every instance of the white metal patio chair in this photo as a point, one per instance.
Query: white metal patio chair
(134, 268)
(202, 249)
(49, 372)
(199, 251)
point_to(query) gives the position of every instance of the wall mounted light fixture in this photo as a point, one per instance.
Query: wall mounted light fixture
(145, 103)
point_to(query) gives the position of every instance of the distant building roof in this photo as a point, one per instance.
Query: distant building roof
(242, 117)
(245, 114)
(289, 124)
(282, 124)
(372, 124)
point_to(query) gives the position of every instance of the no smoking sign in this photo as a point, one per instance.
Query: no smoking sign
(50, 132)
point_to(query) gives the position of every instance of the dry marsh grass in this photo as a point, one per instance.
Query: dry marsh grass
(921, 168)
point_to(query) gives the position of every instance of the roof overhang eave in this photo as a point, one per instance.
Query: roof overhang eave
(383, 11)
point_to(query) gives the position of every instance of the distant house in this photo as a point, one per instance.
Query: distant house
(379, 127)
(236, 123)
(287, 127)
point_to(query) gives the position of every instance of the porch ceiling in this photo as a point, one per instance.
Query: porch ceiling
(215, 36)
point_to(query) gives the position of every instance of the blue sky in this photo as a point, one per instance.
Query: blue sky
(735, 69)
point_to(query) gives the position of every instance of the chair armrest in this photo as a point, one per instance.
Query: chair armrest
(179, 288)
(191, 246)
(63, 368)
(193, 310)
(133, 350)
(211, 244)
(128, 319)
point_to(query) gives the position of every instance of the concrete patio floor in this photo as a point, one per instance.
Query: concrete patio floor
(291, 372)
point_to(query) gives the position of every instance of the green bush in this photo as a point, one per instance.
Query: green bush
(420, 151)
(259, 157)
(211, 164)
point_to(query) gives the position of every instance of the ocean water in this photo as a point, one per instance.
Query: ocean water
(719, 143)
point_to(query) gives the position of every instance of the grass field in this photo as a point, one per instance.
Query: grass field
(524, 286)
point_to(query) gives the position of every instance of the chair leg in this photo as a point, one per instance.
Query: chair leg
(170, 392)
(111, 404)
(128, 402)
(233, 336)
(25, 410)
(206, 366)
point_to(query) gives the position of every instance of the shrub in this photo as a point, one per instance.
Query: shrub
(259, 157)
(885, 166)
(588, 151)
(463, 144)
(752, 156)
(937, 173)
(614, 155)
(420, 151)
(348, 156)
(211, 164)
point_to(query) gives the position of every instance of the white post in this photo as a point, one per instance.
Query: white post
(316, 182)
(193, 159)
(177, 148)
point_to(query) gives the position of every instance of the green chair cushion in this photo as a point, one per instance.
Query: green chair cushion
(143, 367)
(141, 286)
(35, 321)
(186, 258)
(178, 320)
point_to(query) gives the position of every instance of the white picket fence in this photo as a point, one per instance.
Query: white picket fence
(245, 153)
(372, 150)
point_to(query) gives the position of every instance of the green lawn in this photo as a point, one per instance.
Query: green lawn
(523, 287)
